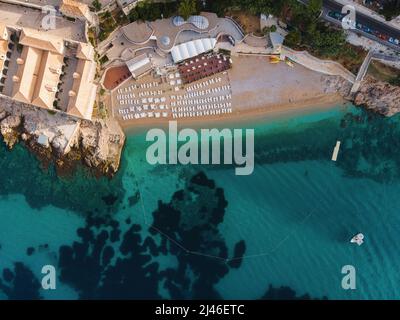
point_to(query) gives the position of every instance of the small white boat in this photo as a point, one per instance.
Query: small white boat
(358, 238)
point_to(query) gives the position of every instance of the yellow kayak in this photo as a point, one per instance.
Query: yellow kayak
(274, 59)
(289, 63)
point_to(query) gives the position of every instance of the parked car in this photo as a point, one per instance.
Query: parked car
(231, 40)
(385, 37)
(366, 29)
(335, 15)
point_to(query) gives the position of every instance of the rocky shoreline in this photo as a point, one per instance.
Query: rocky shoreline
(56, 138)
(378, 96)
(374, 95)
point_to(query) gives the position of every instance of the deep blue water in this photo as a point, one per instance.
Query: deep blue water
(173, 231)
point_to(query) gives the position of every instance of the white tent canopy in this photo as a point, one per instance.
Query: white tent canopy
(191, 49)
(139, 65)
(135, 63)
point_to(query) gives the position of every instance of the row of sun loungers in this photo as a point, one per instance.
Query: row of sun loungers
(150, 93)
(203, 100)
(138, 86)
(148, 85)
(125, 96)
(143, 101)
(200, 113)
(141, 94)
(207, 91)
(203, 107)
(202, 84)
(145, 115)
(142, 108)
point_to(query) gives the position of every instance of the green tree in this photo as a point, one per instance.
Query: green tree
(329, 42)
(391, 8)
(395, 81)
(267, 30)
(293, 39)
(96, 5)
(314, 7)
(187, 8)
(133, 15)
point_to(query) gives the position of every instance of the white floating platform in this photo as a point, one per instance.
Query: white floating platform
(336, 151)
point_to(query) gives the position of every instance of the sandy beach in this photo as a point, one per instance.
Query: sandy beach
(261, 90)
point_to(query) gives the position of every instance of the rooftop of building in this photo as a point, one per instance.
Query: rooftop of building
(74, 8)
(163, 29)
(40, 67)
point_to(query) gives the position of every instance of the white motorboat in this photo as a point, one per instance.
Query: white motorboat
(358, 238)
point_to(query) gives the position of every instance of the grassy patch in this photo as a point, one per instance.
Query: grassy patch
(249, 22)
(384, 72)
(103, 60)
(107, 25)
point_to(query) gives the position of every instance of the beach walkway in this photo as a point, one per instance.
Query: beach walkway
(323, 66)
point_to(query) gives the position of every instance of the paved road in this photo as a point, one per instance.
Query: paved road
(371, 22)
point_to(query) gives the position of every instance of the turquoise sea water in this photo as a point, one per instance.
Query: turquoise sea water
(171, 231)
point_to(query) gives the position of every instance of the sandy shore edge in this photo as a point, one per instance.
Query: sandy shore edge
(242, 116)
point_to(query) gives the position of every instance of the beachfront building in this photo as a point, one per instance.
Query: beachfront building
(83, 92)
(139, 66)
(277, 42)
(3, 49)
(76, 10)
(37, 74)
(39, 69)
(203, 66)
(191, 49)
(168, 41)
(163, 36)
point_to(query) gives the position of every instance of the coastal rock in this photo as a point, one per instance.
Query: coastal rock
(3, 113)
(378, 96)
(101, 145)
(97, 144)
(336, 84)
(9, 130)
